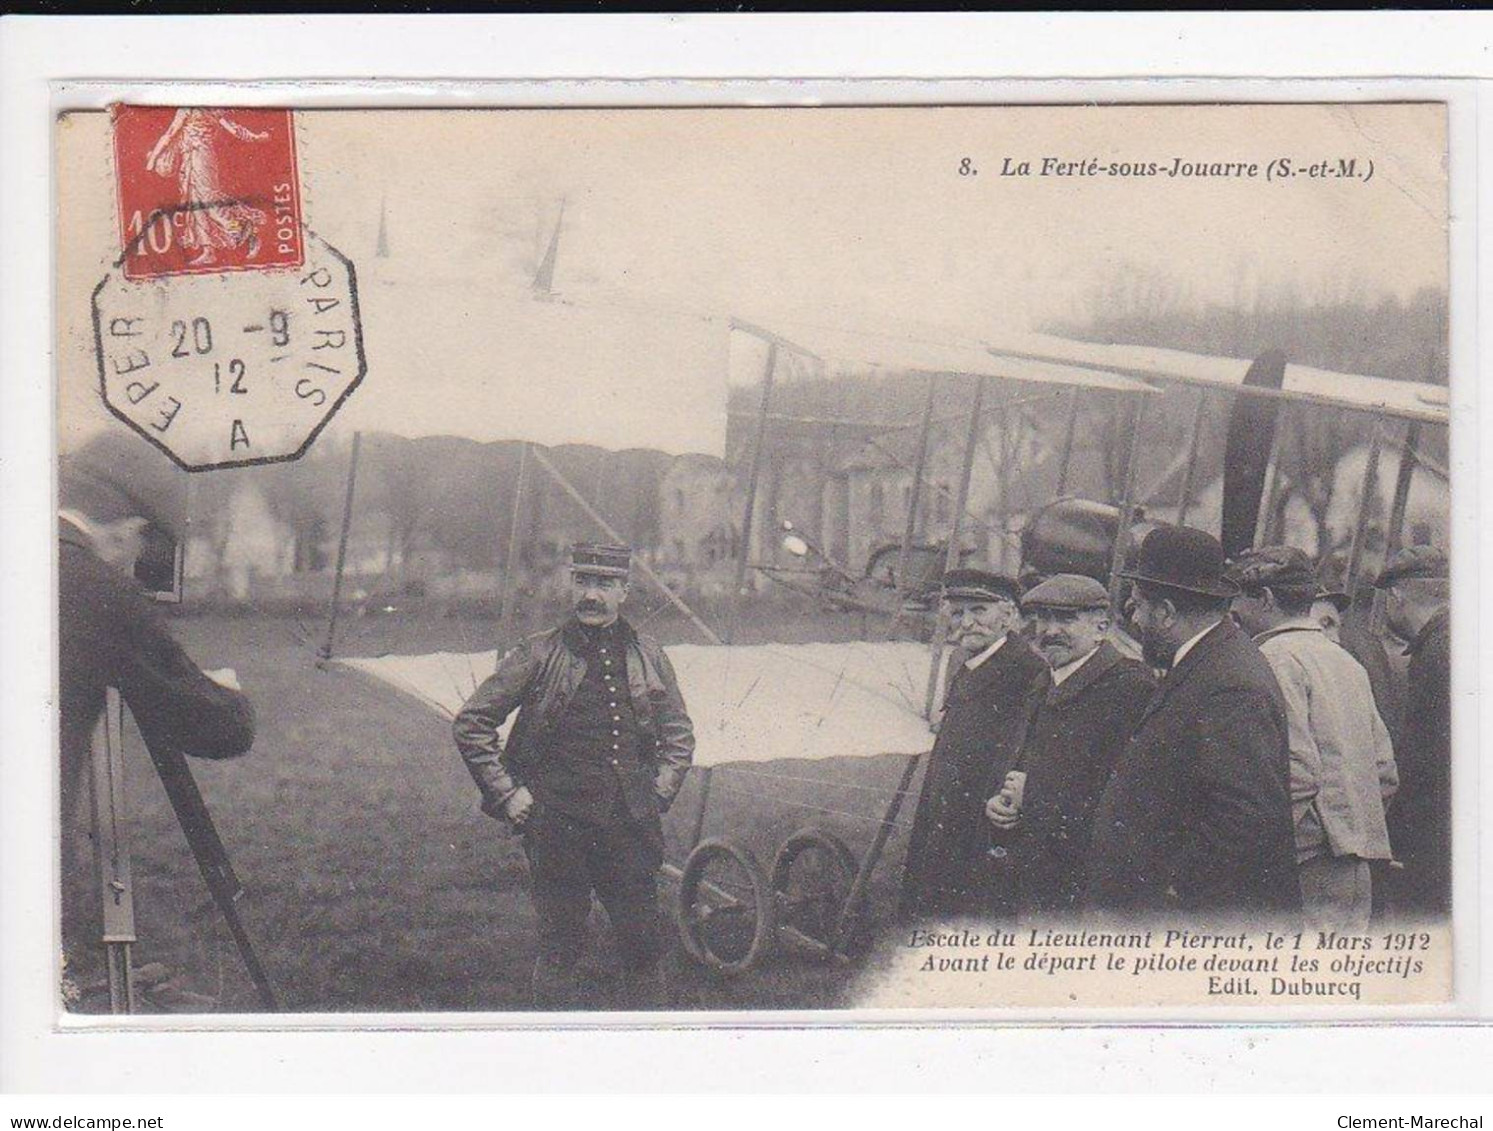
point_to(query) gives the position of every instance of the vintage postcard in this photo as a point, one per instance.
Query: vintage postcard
(859, 562)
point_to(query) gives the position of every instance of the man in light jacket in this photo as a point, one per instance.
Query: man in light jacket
(1342, 761)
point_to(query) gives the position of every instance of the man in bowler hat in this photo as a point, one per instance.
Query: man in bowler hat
(597, 753)
(1196, 819)
(954, 868)
(1081, 724)
(1416, 606)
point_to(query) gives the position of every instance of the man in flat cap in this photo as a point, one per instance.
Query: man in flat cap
(111, 635)
(1417, 592)
(597, 753)
(953, 867)
(1196, 819)
(1088, 712)
(1342, 762)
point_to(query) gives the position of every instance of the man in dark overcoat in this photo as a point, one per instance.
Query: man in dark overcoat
(1349, 623)
(1081, 725)
(1416, 608)
(598, 751)
(954, 865)
(1196, 819)
(111, 635)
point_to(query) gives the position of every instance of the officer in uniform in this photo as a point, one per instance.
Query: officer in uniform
(597, 753)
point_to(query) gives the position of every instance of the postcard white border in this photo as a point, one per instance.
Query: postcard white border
(45, 65)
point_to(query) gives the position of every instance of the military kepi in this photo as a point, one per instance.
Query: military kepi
(1067, 591)
(600, 560)
(979, 585)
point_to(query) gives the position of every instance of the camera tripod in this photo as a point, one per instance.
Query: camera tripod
(111, 851)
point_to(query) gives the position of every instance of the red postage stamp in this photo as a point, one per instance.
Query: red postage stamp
(206, 189)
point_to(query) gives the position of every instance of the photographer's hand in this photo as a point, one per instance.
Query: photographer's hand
(225, 677)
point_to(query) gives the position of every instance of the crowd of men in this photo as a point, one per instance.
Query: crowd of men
(1258, 756)
(1261, 757)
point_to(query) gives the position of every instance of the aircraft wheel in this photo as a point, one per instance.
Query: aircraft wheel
(812, 875)
(725, 910)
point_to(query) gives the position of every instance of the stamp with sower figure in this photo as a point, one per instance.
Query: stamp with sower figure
(206, 189)
(228, 334)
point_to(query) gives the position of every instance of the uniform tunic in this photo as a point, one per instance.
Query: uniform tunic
(581, 836)
(597, 738)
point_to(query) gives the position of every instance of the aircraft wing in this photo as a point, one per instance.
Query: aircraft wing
(1407, 400)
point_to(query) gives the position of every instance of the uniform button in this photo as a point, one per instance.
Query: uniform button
(616, 734)
(615, 746)
(614, 761)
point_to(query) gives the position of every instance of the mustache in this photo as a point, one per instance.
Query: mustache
(590, 607)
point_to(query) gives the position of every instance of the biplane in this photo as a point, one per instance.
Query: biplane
(759, 704)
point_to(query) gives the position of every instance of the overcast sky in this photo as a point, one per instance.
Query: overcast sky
(864, 212)
(856, 218)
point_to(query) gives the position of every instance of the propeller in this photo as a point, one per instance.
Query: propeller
(1251, 436)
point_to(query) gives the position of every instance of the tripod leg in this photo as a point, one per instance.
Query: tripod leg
(256, 970)
(113, 858)
(121, 978)
(212, 859)
(111, 853)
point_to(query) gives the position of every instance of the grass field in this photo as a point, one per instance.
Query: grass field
(375, 884)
